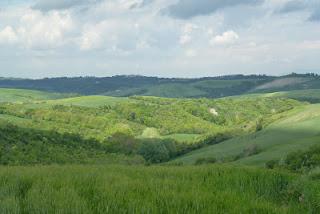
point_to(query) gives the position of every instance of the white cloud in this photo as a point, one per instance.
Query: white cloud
(44, 31)
(185, 39)
(186, 32)
(123, 33)
(111, 34)
(191, 53)
(227, 38)
(8, 36)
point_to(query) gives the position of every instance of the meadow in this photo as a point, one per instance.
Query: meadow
(155, 189)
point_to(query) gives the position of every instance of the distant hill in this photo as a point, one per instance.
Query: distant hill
(210, 87)
(139, 85)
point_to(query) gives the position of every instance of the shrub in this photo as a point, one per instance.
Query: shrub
(121, 143)
(154, 151)
(200, 161)
(271, 164)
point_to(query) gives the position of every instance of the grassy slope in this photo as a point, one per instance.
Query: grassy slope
(311, 95)
(21, 95)
(289, 83)
(138, 189)
(299, 131)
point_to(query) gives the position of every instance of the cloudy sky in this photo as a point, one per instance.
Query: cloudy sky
(172, 38)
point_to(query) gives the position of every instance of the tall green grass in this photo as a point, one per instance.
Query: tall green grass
(156, 189)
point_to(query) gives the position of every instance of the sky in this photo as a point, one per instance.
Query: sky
(165, 38)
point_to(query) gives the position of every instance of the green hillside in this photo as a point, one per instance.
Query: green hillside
(25, 146)
(300, 129)
(138, 189)
(209, 87)
(22, 95)
(99, 117)
(42, 135)
(311, 95)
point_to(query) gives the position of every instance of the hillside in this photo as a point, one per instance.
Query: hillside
(25, 146)
(210, 87)
(58, 153)
(21, 95)
(299, 130)
(100, 117)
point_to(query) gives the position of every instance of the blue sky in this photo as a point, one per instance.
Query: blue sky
(170, 38)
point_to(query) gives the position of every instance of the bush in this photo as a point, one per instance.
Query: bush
(271, 164)
(121, 143)
(205, 161)
(154, 151)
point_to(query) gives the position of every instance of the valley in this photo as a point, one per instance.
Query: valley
(216, 145)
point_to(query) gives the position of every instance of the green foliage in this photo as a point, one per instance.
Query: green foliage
(271, 164)
(157, 151)
(20, 146)
(205, 161)
(121, 143)
(145, 116)
(303, 160)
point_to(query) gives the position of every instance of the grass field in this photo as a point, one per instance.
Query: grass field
(299, 130)
(138, 189)
(22, 95)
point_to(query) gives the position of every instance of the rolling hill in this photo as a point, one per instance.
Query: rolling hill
(299, 130)
(210, 87)
(99, 116)
(22, 95)
(45, 136)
